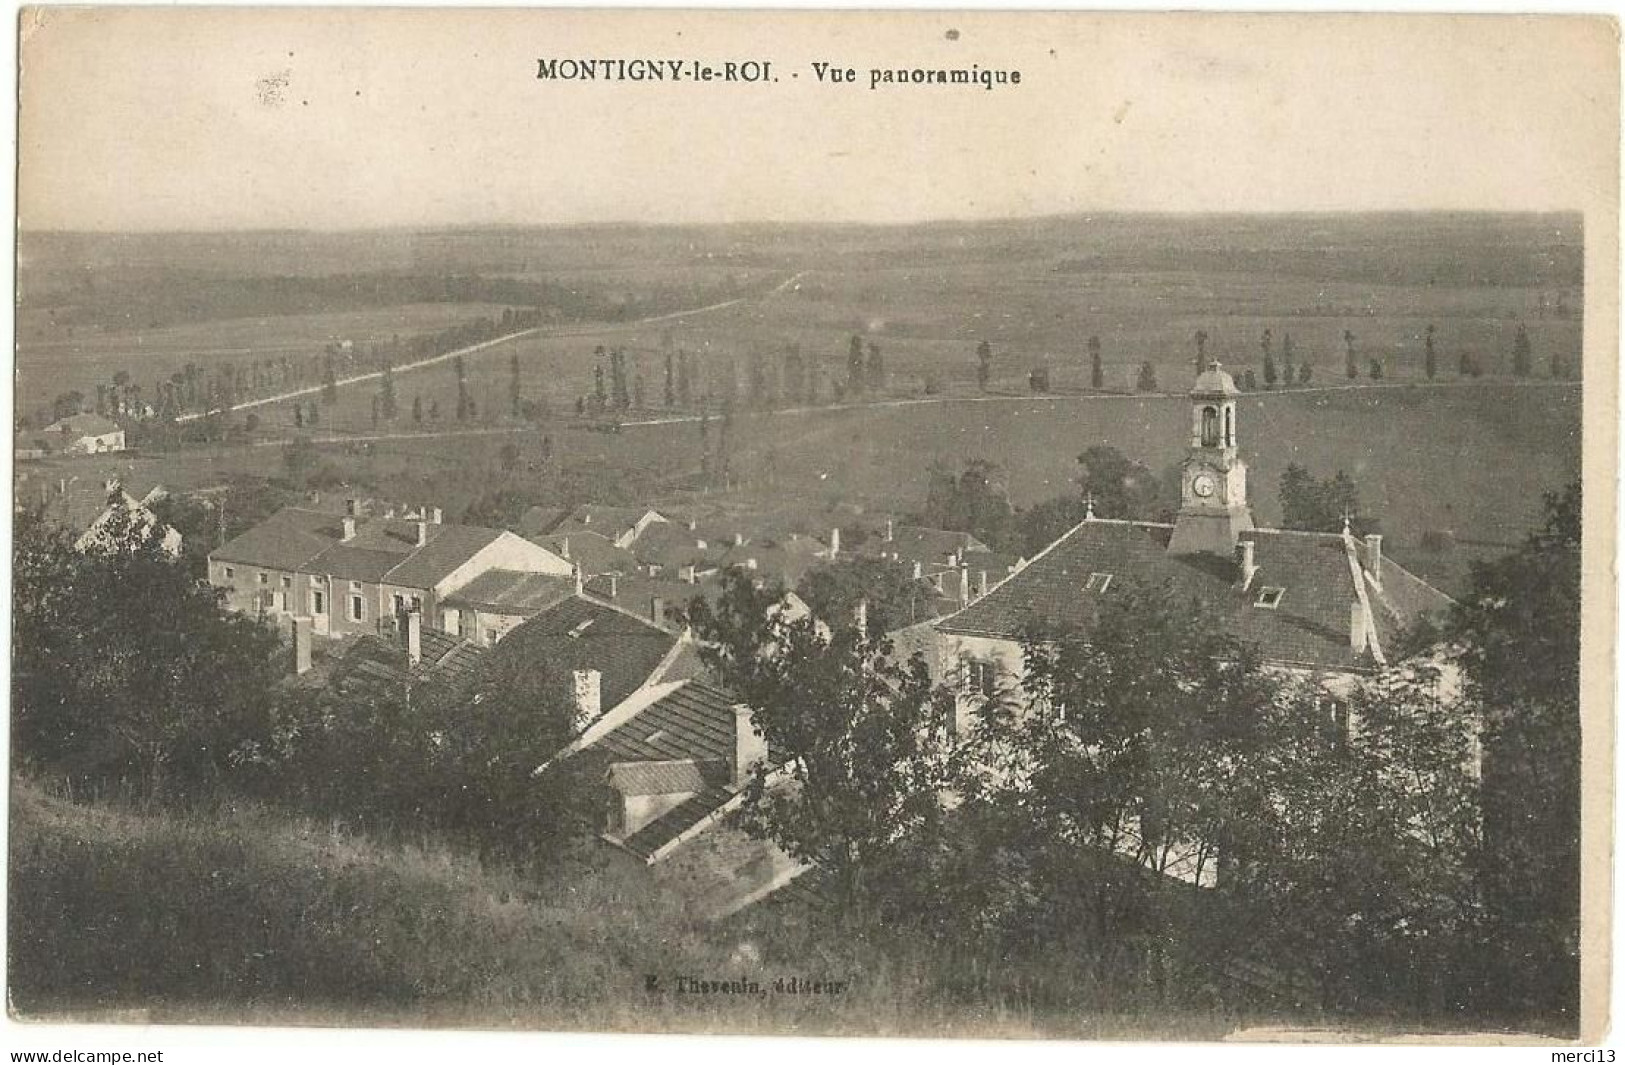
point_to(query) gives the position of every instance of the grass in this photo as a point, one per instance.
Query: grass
(241, 914)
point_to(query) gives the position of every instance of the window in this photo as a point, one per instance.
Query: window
(981, 676)
(1269, 598)
(355, 586)
(490, 636)
(287, 582)
(265, 578)
(1210, 427)
(399, 602)
(230, 573)
(318, 602)
(1097, 582)
(355, 608)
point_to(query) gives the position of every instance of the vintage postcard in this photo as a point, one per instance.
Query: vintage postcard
(920, 524)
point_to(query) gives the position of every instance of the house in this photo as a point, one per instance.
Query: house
(352, 573)
(1325, 605)
(621, 525)
(492, 604)
(592, 553)
(613, 653)
(84, 434)
(141, 517)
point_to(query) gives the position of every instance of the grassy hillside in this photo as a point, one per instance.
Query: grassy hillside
(242, 914)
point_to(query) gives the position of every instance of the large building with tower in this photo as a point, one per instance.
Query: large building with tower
(1330, 605)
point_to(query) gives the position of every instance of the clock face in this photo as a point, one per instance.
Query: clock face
(1203, 484)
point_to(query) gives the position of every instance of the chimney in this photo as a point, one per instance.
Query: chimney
(414, 636)
(301, 646)
(835, 541)
(918, 569)
(349, 528)
(657, 610)
(890, 530)
(964, 585)
(437, 515)
(981, 584)
(1244, 559)
(860, 617)
(588, 690)
(1373, 558)
(581, 582)
(1358, 637)
(613, 586)
(564, 547)
(352, 507)
(739, 539)
(750, 749)
(692, 524)
(423, 533)
(686, 574)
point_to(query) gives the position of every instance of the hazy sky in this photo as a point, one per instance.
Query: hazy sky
(163, 118)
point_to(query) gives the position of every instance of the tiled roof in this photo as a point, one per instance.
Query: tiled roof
(449, 547)
(695, 722)
(1309, 627)
(674, 822)
(637, 594)
(373, 661)
(347, 562)
(286, 540)
(677, 545)
(918, 542)
(582, 633)
(506, 591)
(83, 425)
(593, 552)
(666, 778)
(539, 520)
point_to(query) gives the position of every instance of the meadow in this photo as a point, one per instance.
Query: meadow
(242, 914)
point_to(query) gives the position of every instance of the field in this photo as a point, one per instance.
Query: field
(1466, 458)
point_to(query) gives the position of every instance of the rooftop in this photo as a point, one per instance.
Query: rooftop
(579, 632)
(1295, 609)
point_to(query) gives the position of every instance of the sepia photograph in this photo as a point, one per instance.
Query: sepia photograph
(959, 525)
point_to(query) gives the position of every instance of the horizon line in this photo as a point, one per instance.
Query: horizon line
(1169, 213)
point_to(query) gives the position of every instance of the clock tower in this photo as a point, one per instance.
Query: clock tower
(1213, 510)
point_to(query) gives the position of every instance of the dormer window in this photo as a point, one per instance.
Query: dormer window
(1269, 598)
(1098, 582)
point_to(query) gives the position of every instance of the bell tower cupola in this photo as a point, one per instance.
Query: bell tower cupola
(1213, 510)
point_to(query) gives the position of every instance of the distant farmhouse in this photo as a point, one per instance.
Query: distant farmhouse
(83, 434)
(1325, 605)
(355, 573)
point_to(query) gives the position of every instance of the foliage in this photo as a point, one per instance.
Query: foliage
(1321, 506)
(892, 596)
(1522, 353)
(1120, 487)
(125, 669)
(974, 501)
(1147, 380)
(854, 728)
(1430, 357)
(984, 364)
(1519, 630)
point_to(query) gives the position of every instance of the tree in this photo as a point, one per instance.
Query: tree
(974, 501)
(1519, 627)
(854, 366)
(1376, 369)
(1304, 370)
(1522, 354)
(1270, 375)
(1097, 373)
(892, 597)
(298, 415)
(387, 387)
(465, 403)
(417, 410)
(1321, 506)
(1430, 358)
(1349, 365)
(1288, 373)
(508, 457)
(984, 364)
(515, 396)
(330, 384)
(671, 379)
(855, 730)
(125, 667)
(1249, 381)
(876, 368)
(1147, 381)
(600, 398)
(1120, 487)
(1201, 350)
